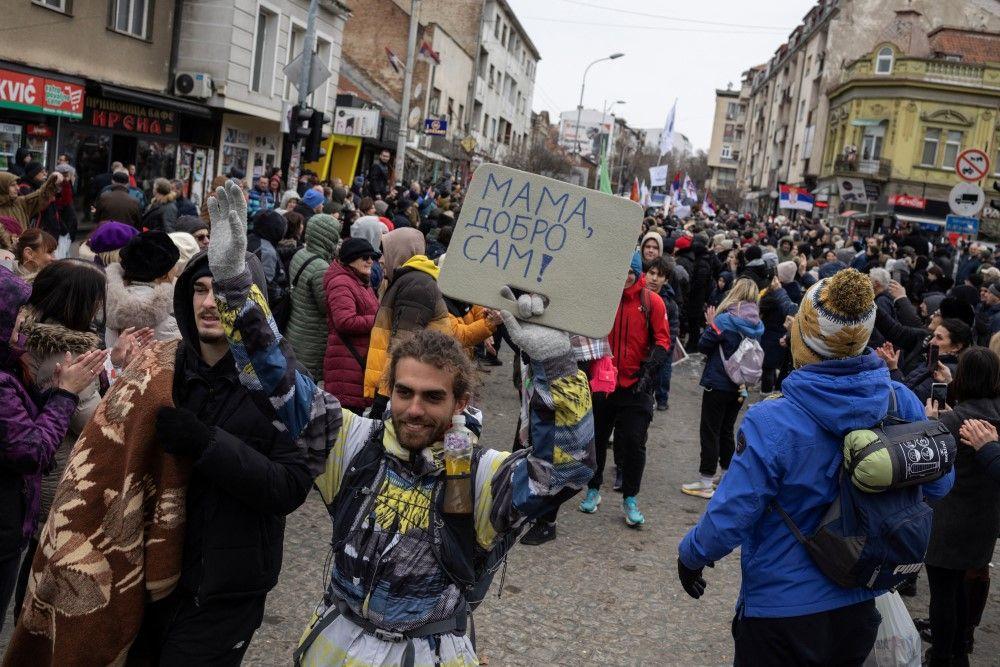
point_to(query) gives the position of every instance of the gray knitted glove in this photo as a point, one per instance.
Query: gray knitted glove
(227, 245)
(538, 342)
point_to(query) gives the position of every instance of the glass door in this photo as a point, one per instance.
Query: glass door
(10, 139)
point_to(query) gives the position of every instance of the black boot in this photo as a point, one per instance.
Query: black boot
(541, 531)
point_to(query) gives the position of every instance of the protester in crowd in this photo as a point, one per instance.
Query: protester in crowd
(430, 380)
(736, 318)
(350, 311)
(377, 181)
(32, 425)
(115, 203)
(310, 204)
(161, 213)
(268, 229)
(371, 230)
(184, 205)
(100, 182)
(640, 344)
(65, 208)
(658, 273)
(696, 260)
(194, 226)
(292, 241)
(651, 246)
(260, 197)
(217, 183)
(951, 337)
(775, 306)
(105, 243)
(967, 520)
(140, 291)
(24, 208)
(22, 158)
(307, 327)
(789, 612)
(289, 200)
(34, 250)
(187, 247)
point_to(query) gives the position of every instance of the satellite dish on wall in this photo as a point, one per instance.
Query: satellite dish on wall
(419, 89)
(414, 117)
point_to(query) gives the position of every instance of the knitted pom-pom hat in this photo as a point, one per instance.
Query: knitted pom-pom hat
(835, 319)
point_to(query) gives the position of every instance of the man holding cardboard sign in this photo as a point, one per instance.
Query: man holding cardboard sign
(540, 235)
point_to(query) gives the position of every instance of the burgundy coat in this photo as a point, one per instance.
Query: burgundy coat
(351, 307)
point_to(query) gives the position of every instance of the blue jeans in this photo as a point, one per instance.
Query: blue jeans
(662, 392)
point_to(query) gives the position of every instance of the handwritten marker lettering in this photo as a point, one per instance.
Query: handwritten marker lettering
(545, 262)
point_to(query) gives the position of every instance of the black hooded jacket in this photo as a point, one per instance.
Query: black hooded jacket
(248, 478)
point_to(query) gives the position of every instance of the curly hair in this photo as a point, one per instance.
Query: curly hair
(439, 350)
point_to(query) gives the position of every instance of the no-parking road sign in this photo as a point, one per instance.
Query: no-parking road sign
(972, 165)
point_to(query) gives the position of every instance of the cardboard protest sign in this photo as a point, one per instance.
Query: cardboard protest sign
(567, 243)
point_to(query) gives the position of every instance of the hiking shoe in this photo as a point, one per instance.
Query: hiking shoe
(540, 532)
(633, 517)
(701, 488)
(662, 407)
(617, 486)
(589, 504)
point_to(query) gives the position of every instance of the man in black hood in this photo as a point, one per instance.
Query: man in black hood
(246, 476)
(21, 160)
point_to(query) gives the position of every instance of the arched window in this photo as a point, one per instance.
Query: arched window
(883, 64)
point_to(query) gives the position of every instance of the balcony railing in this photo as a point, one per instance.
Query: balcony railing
(880, 169)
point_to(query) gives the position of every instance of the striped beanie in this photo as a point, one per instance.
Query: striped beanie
(835, 319)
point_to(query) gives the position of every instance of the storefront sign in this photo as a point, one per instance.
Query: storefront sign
(436, 126)
(36, 93)
(909, 201)
(131, 118)
(354, 122)
(961, 224)
(43, 131)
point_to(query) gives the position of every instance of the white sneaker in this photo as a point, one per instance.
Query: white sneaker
(702, 488)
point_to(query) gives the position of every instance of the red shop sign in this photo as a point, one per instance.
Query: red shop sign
(40, 131)
(130, 118)
(909, 201)
(36, 93)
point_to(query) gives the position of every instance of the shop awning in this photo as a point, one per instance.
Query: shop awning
(154, 100)
(430, 155)
(866, 122)
(920, 220)
(853, 214)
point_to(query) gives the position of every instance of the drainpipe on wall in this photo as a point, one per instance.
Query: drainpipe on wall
(175, 42)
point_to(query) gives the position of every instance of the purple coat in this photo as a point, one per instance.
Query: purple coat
(350, 312)
(31, 428)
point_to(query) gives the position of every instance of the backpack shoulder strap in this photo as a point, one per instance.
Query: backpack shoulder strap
(893, 402)
(646, 309)
(298, 274)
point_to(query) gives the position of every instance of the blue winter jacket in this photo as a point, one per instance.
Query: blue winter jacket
(789, 450)
(726, 333)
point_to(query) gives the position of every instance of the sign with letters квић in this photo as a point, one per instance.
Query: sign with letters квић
(567, 243)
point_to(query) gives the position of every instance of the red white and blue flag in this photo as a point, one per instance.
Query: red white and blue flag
(394, 61)
(794, 197)
(427, 54)
(675, 187)
(707, 205)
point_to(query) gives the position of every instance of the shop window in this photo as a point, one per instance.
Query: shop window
(265, 41)
(952, 147)
(883, 63)
(131, 17)
(64, 6)
(156, 159)
(932, 137)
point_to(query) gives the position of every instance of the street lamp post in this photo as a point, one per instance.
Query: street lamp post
(583, 85)
(606, 149)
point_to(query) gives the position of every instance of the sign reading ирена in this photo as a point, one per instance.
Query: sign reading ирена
(537, 234)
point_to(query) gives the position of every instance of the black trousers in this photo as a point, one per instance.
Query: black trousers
(842, 636)
(949, 611)
(628, 414)
(8, 579)
(719, 410)
(177, 633)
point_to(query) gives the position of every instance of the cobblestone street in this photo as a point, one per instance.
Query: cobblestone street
(601, 594)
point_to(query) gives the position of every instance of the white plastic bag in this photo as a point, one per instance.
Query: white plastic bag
(897, 643)
(63, 246)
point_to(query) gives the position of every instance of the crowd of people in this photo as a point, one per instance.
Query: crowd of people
(280, 340)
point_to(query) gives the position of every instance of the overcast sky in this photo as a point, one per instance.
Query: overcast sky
(673, 49)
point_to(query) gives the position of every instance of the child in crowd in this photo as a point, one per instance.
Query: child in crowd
(658, 272)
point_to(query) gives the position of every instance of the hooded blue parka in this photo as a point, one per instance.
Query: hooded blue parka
(789, 451)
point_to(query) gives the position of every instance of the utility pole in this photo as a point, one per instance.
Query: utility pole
(303, 85)
(404, 110)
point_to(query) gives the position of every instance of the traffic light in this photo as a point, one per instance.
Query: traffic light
(298, 123)
(317, 136)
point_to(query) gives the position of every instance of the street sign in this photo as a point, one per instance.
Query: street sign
(567, 243)
(966, 199)
(436, 126)
(961, 225)
(317, 75)
(972, 165)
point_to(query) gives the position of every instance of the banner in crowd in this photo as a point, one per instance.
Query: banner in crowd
(536, 234)
(658, 176)
(795, 198)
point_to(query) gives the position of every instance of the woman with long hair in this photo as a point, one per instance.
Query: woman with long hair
(737, 317)
(34, 250)
(951, 337)
(967, 520)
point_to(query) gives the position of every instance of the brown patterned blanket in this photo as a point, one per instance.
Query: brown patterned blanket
(114, 537)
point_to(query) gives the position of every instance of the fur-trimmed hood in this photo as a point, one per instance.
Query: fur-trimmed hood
(137, 304)
(42, 339)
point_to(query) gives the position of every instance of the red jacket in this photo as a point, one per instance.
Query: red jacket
(630, 339)
(350, 311)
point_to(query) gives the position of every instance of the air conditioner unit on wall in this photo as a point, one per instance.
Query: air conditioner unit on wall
(193, 84)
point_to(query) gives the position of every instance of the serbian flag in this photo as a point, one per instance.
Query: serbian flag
(427, 54)
(634, 195)
(793, 197)
(675, 186)
(394, 61)
(707, 205)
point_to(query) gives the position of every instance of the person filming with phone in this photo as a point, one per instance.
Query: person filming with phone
(948, 340)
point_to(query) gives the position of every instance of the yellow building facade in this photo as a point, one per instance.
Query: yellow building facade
(897, 123)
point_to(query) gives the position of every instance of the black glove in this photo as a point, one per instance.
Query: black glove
(691, 580)
(180, 433)
(649, 370)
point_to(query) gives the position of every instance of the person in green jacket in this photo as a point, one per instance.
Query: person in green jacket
(307, 328)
